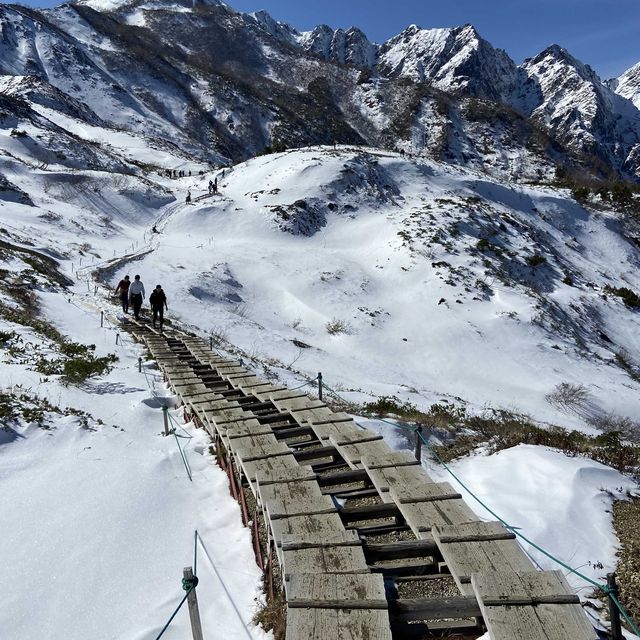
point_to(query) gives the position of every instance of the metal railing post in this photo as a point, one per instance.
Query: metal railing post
(192, 600)
(418, 452)
(165, 417)
(614, 612)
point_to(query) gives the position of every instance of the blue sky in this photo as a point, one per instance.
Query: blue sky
(602, 33)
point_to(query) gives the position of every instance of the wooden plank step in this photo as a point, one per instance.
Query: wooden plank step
(353, 453)
(285, 394)
(298, 403)
(230, 415)
(186, 390)
(386, 478)
(275, 470)
(257, 447)
(326, 430)
(337, 624)
(318, 525)
(263, 392)
(506, 589)
(392, 459)
(335, 591)
(325, 560)
(354, 437)
(288, 499)
(244, 430)
(531, 606)
(477, 547)
(340, 538)
(453, 608)
(307, 416)
(423, 516)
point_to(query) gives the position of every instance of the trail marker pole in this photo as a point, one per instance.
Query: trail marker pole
(88, 287)
(165, 417)
(418, 453)
(210, 343)
(614, 612)
(139, 365)
(192, 599)
(117, 337)
(102, 319)
(320, 386)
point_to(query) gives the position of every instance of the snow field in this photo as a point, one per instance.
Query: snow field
(98, 523)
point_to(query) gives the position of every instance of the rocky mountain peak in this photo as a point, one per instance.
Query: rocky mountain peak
(456, 60)
(337, 45)
(628, 85)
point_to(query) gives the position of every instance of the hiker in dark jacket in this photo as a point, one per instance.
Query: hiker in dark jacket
(123, 290)
(158, 302)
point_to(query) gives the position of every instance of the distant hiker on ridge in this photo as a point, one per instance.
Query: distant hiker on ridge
(215, 185)
(188, 198)
(136, 296)
(123, 288)
(158, 302)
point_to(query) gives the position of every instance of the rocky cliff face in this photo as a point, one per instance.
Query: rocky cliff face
(220, 84)
(628, 85)
(581, 111)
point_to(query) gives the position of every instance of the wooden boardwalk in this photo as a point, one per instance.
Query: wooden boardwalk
(353, 525)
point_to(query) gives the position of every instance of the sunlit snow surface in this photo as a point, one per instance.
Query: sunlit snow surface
(103, 520)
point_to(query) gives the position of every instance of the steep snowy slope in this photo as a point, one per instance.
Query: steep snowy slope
(628, 85)
(391, 276)
(454, 60)
(407, 279)
(581, 111)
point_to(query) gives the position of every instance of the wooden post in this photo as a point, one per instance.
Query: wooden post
(117, 337)
(102, 319)
(192, 600)
(419, 444)
(614, 612)
(165, 417)
(139, 365)
(210, 343)
(320, 386)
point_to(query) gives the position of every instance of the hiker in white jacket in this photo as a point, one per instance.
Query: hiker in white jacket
(136, 296)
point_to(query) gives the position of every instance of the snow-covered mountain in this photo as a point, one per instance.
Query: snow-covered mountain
(409, 243)
(207, 80)
(582, 112)
(628, 84)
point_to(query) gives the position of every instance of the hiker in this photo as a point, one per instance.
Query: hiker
(215, 185)
(210, 187)
(158, 302)
(123, 288)
(154, 229)
(188, 198)
(136, 296)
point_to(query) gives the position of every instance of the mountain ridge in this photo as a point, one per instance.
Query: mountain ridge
(247, 82)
